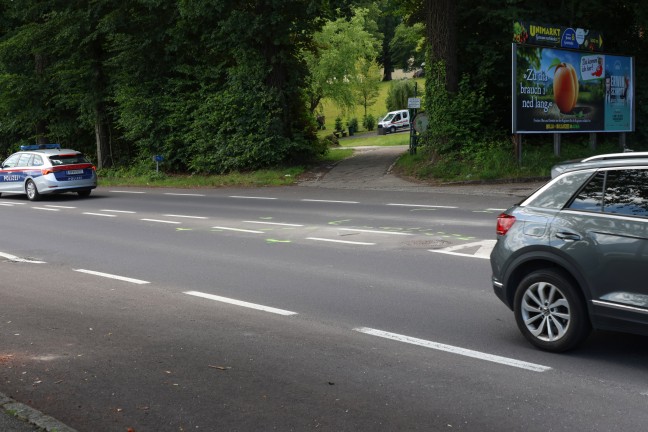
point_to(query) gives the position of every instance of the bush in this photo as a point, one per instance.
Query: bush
(399, 92)
(331, 141)
(369, 122)
(352, 124)
(338, 124)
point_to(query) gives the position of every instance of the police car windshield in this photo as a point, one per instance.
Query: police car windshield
(67, 159)
(389, 117)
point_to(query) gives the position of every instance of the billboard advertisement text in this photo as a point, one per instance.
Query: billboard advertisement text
(556, 90)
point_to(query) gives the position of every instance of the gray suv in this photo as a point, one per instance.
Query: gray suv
(574, 255)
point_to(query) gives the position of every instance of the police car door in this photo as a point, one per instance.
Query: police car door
(10, 178)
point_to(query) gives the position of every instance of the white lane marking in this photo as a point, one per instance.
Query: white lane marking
(20, 260)
(374, 231)
(161, 221)
(6, 205)
(252, 197)
(185, 216)
(112, 276)
(127, 192)
(118, 211)
(237, 230)
(340, 241)
(330, 201)
(483, 251)
(185, 194)
(496, 209)
(13, 203)
(98, 214)
(274, 223)
(455, 350)
(240, 303)
(424, 206)
(45, 208)
(59, 206)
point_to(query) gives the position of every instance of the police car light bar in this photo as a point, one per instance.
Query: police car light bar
(40, 147)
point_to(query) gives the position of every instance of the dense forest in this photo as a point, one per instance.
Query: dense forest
(216, 86)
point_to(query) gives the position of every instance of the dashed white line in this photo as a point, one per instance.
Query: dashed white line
(13, 203)
(240, 303)
(118, 211)
(185, 216)
(185, 194)
(274, 223)
(454, 350)
(112, 276)
(238, 230)
(45, 208)
(422, 205)
(252, 197)
(59, 206)
(340, 241)
(20, 260)
(331, 201)
(161, 221)
(127, 192)
(99, 214)
(375, 231)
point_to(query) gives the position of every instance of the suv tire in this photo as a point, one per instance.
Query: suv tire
(550, 312)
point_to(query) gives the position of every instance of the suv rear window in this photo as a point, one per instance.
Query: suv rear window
(615, 191)
(67, 159)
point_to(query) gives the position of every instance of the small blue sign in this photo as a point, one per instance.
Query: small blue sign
(158, 158)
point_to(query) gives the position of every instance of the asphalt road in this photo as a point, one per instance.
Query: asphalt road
(303, 308)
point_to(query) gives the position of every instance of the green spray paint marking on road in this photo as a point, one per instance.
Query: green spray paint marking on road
(338, 222)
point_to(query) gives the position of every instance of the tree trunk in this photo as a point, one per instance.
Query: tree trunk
(40, 128)
(441, 31)
(104, 159)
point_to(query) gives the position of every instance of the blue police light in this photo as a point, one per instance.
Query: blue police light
(40, 147)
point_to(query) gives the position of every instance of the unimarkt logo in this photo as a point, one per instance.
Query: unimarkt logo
(544, 31)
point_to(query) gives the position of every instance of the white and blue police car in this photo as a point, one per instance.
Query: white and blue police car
(43, 169)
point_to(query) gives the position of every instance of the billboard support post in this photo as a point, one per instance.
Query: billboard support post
(592, 141)
(556, 140)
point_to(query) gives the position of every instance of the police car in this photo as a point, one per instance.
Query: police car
(47, 169)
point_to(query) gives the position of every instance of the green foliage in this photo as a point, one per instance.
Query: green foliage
(344, 51)
(338, 124)
(399, 92)
(455, 119)
(369, 122)
(352, 124)
(407, 46)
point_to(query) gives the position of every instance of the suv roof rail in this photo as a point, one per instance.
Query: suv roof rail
(625, 155)
(40, 147)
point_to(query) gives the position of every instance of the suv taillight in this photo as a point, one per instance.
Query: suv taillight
(504, 223)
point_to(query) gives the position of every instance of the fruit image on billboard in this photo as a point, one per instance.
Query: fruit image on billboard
(556, 90)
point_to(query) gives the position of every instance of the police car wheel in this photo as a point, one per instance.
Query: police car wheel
(392, 129)
(32, 191)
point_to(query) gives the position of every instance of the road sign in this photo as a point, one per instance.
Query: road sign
(413, 103)
(421, 122)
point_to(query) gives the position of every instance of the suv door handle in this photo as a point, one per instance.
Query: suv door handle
(567, 235)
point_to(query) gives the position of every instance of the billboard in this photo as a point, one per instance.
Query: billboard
(525, 32)
(558, 91)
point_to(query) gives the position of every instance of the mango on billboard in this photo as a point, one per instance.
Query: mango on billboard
(556, 90)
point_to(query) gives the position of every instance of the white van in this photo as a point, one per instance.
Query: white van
(395, 120)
